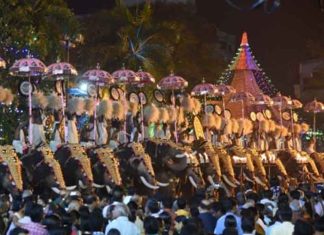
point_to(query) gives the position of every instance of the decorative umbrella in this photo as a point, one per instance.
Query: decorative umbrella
(173, 82)
(223, 90)
(314, 107)
(58, 72)
(262, 99)
(243, 97)
(97, 78)
(126, 76)
(2, 63)
(204, 89)
(28, 67)
(144, 78)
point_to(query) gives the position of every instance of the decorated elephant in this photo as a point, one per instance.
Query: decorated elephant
(136, 167)
(42, 172)
(76, 166)
(105, 168)
(175, 165)
(10, 171)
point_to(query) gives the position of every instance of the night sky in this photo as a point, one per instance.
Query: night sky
(278, 40)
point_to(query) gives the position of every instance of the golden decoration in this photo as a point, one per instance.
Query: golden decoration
(199, 131)
(108, 160)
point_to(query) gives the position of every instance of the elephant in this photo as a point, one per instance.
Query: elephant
(10, 171)
(42, 171)
(136, 167)
(76, 166)
(105, 168)
(174, 163)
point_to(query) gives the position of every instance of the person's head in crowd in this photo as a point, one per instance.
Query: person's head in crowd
(96, 220)
(28, 207)
(240, 197)
(166, 222)
(75, 196)
(151, 225)
(319, 226)
(249, 186)
(117, 194)
(190, 227)
(297, 210)
(181, 203)
(27, 196)
(120, 210)
(167, 202)
(283, 198)
(248, 224)
(132, 206)
(194, 212)
(36, 214)
(84, 212)
(285, 213)
(252, 196)
(113, 231)
(268, 194)
(4, 204)
(204, 206)
(52, 222)
(229, 204)
(152, 206)
(59, 231)
(216, 209)
(74, 217)
(19, 231)
(92, 201)
(230, 231)
(230, 222)
(303, 228)
(74, 205)
(295, 194)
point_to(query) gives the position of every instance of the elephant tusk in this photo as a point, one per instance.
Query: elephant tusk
(211, 181)
(147, 184)
(56, 190)
(83, 186)
(108, 189)
(182, 155)
(97, 185)
(70, 188)
(192, 181)
(162, 184)
(227, 181)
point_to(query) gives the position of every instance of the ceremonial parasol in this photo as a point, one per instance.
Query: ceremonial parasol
(58, 72)
(204, 89)
(96, 78)
(30, 68)
(144, 78)
(223, 90)
(173, 82)
(2, 63)
(243, 97)
(314, 107)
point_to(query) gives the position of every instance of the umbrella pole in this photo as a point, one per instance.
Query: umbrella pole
(30, 111)
(223, 102)
(292, 128)
(142, 119)
(175, 122)
(95, 116)
(314, 124)
(63, 111)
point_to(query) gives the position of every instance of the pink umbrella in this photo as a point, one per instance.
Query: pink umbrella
(314, 107)
(204, 89)
(98, 78)
(2, 63)
(144, 78)
(57, 72)
(173, 82)
(125, 76)
(243, 97)
(262, 99)
(28, 67)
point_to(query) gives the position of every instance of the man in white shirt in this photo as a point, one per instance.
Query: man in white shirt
(319, 206)
(120, 221)
(285, 215)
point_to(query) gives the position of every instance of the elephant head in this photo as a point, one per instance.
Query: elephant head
(10, 171)
(75, 165)
(105, 168)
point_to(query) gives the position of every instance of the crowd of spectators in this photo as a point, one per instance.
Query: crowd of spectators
(299, 211)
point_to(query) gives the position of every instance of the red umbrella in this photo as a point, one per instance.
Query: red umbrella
(125, 76)
(28, 67)
(314, 107)
(2, 63)
(172, 82)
